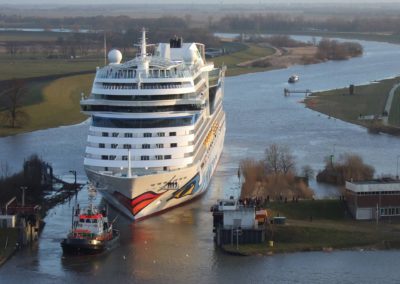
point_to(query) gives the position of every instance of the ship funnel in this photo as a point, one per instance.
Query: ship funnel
(165, 51)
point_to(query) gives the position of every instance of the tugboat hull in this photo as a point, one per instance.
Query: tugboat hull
(82, 246)
(73, 246)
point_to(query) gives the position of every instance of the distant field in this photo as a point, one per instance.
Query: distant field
(29, 36)
(17, 67)
(250, 53)
(59, 105)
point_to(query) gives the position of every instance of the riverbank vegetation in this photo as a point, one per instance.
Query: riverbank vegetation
(348, 167)
(274, 177)
(290, 52)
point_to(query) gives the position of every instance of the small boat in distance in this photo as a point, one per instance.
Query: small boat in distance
(91, 232)
(293, 79)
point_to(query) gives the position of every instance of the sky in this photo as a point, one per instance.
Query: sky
(96, 2)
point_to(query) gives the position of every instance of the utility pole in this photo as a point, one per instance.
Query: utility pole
(23, 188)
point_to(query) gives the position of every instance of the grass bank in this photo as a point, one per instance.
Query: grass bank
(16, 66)
(232, 60)
(8, 240)
(367, 100)
(57, 103)
(330, 228)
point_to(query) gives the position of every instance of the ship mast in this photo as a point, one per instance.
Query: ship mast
(143, 44)
(143, 66)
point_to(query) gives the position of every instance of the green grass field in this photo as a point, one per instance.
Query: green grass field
(330, 228)
(59, 104)
(394, 114)
(17, 67)
(367, 100)
(29, 36)
(318, 209)
(231, 60)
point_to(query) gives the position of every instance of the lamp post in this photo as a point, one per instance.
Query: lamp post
(397, 167)
(23, 188)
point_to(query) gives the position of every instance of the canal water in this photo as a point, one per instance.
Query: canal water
(177, 247)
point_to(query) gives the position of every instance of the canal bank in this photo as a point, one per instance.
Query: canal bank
(177, 247)
(319, 225)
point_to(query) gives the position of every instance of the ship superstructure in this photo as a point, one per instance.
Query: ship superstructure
(157, 128)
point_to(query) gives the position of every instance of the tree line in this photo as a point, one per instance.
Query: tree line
(279, 22)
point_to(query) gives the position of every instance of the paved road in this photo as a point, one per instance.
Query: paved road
(389, 103)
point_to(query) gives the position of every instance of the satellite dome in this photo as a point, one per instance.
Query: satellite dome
(115, 56)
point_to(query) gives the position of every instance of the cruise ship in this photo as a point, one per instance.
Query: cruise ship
(157, 127)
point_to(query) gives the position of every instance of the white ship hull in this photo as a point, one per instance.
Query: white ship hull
(157, 128)
(139, 197)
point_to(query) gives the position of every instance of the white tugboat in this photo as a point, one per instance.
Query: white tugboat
(91, 232)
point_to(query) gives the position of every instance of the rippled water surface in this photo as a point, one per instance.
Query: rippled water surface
(177, 247)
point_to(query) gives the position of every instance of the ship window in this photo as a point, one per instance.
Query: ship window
(144, 158)
(104, 157)
(102, 145)
(114, 146)
(147, 135)
(160, 134)
(159, 157)
(94, 220)
(145, 146)
(127, 146)
(173, 145)
(167, 157)
(124, 158)
(145, 122)
(112, 157)
(105, 134)
(87, 220)
(159, 145)
(82, 220)
(128, 135)
(115, 134)
(172, 134)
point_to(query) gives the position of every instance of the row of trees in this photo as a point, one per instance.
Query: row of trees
(277, 22)
(83, 44)
(334, 50)
(33, 176)
(348, 167)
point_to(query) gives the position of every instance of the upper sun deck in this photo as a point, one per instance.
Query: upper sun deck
(174, 60)
(129, 70)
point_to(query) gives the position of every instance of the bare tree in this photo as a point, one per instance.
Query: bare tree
(286, 160)
(4, 170)
(272, 158)
(13, 98)
(279, 159)
(307, 172)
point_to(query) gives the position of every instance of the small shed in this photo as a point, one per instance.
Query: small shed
(8, 221)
